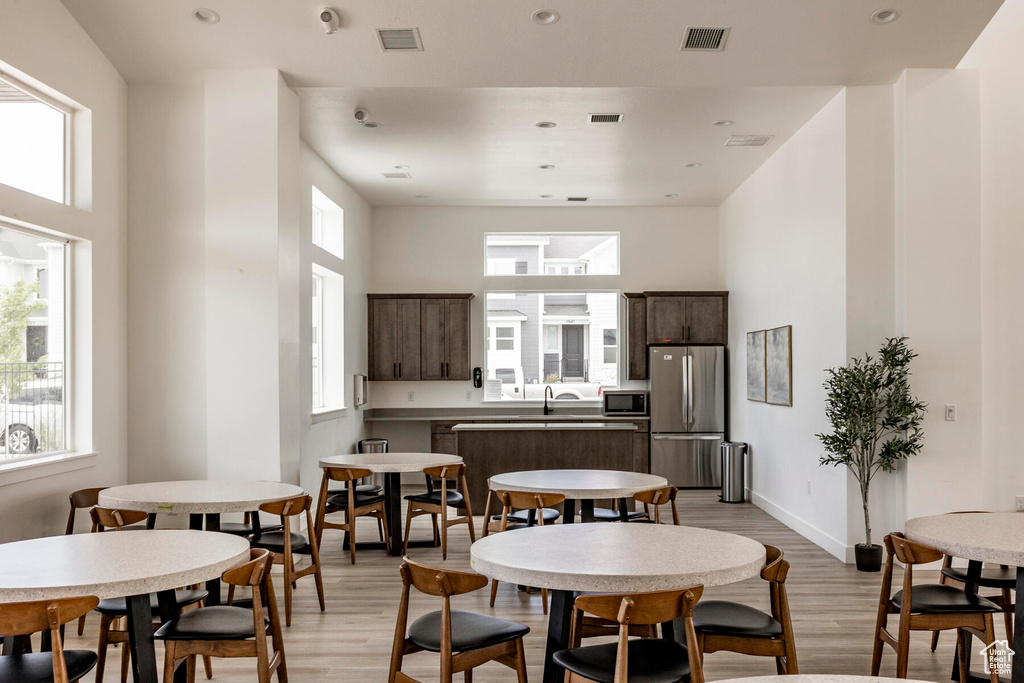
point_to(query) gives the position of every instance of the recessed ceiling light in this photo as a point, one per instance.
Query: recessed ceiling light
(671, 196)
(206, 16)
(371, 124)
(546, 196)
(885, 16)
(422, 196)
(402, 167)
(692, 165)
(546, 124)
(723, 122)
(547, 167)
(545, 16)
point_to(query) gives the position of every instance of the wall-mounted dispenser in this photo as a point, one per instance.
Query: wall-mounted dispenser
(360, 390)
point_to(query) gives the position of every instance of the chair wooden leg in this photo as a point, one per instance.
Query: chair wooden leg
(990, 637)
(208, 666)
(437, 536)
(408, 526)
(81, 624)
(444, 532)
(382, 521)
(544, 599)
(468, 676)
(903, 649)
(351, 536)
(169, 660)
(190, 669)
(494, 590)
(101, 647)
(126, 658)
(380, 530)
(935, 639)
(520, 662)
(961, 653)
(1007, 614)
(288, 569)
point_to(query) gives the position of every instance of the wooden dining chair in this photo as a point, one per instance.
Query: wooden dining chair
(435, 502)
(735, 627)
(230, 630)
(350, 502)
(114, 611)
(59, 666)
(926, 607)
(246, 527)
(82, 499)
(656, 498)
(534, 505)
(465, 640)
(647, 659)
(1001, 577)
(492, 523)
(284, 545)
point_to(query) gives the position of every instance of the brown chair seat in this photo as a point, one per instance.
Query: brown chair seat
(991, 577)
(723, 618)
(38, 667)
(609, 515)
(116, 607)
(222, 622)
(341, 500)
(940, 599)
(651, 660)
(453, 498)
(470, 631)
(274, 542)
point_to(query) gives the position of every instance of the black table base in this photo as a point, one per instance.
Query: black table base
(587, 511)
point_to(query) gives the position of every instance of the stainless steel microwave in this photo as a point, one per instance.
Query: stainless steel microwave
(624, 403)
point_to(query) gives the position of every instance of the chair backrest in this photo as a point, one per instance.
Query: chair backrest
(251, 573)
(775, 566)
(22, 618)
(81, 499)
(666, 495)
(439, 582)
(345, 473)
(641, 608)
(290, 507)
(110, 518)
(526, 500)
(446, 471)
(910, 553)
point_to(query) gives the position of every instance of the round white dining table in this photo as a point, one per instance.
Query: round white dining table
(612, 558)
(392, 466)
(584, 486)
(119, 564)
(979, 537)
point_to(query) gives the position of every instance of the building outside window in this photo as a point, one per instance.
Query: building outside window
(35, 141)
(561, 253)
(33, 342)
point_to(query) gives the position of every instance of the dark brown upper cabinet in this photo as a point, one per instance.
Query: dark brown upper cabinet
(418, 336)
(673, 318)
(636, 336)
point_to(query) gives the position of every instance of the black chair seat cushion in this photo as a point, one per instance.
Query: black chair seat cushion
(118, 607)
(341, 500)
(608, 515)
(938, 599)
(274, 542)
(222, 622)
(651, 660)
(470, 631)
(991, 577)
(366, 489)
(455, 498)
(722, 618)
(243, 529)
(522, 516)
(38, 667)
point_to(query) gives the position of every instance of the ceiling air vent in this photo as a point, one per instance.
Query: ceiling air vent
(576, 199)
(399, 39)
(705, 38)
(605, 118)
(748, 140)
(397, 174)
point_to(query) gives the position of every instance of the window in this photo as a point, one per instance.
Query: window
(33, 342)
(327, 322)
(556, 253)
(35, 136)
(536, 339)
(318, 327)
(328, 228)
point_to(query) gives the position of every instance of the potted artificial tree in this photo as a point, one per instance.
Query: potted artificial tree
(876, 422)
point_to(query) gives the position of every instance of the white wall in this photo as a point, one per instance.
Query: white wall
(783, 249)
(31, 35)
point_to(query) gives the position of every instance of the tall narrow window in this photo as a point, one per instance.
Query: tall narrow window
(328, 224)
(34, 141)
(318, 328)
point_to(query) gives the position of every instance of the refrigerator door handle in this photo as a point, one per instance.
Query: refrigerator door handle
(686, 437)
(689, 390)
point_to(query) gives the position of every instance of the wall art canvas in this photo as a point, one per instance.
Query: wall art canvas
(779, 365)
(755, 366)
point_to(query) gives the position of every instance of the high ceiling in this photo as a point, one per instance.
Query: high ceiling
(461, 112)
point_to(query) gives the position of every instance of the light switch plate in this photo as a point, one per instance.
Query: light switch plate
(950, 412)
(1020, 503)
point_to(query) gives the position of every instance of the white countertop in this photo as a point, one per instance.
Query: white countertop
(578, 484)
(613, 558)
(390, 462)
(996, 537)
(534, 426)
(196, 497)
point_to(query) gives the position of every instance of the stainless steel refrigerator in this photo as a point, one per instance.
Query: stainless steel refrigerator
(687, 414)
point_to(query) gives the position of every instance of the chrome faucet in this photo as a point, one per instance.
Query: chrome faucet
(547, 389)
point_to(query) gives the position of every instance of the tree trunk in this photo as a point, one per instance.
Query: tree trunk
(867, 514)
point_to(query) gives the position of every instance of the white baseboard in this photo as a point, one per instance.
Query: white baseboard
(833, 546)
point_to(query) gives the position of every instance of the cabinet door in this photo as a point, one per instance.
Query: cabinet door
(433, 337)
(444, 443)
(408, 339)
(457, 335)
(705, 320)
(636, 337)
(384, 339)
(666, 318)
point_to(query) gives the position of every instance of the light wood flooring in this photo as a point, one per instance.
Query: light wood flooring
(833, 609)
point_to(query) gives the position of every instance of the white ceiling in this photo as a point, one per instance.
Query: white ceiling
(461, 113)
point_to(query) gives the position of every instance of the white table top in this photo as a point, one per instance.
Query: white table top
(996, 537)
(200, 496)
(820, 678)
(578, 484)
(614, 558)
(114, 564)
(390, 462)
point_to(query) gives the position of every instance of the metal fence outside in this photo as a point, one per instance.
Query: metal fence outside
(31, 408)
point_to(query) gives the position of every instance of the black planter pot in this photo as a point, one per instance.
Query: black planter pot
(869, 557)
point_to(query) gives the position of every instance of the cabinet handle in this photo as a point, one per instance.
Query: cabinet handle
(399, 368)
(447, 371)
(394, 370)
(442, 369)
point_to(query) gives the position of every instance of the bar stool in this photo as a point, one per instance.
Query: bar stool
(58, 666)
(351, 502)
(436, 503)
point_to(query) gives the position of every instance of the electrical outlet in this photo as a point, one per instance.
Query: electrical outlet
(950, 412)
(469, 395)
(411, 397)
(1020, 503)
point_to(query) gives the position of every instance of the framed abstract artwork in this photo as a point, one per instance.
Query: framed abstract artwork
(779, 366)
(756, 384)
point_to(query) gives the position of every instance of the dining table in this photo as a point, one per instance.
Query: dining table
(980, 537)
(392, 466)
(584, 486)
(131, 565)
(612, 558)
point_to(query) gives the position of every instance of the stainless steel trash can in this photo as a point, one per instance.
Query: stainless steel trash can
(733, 465)
(373, 446)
